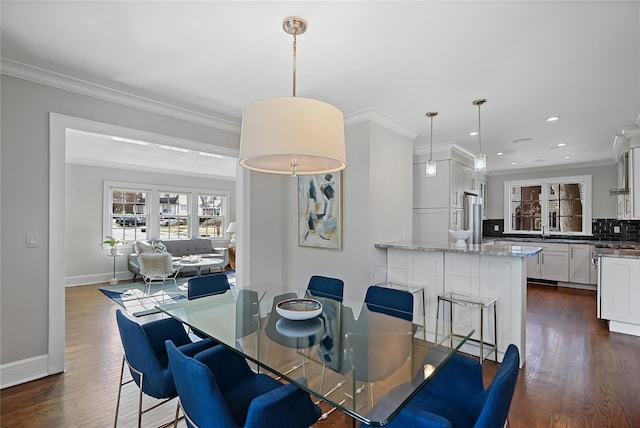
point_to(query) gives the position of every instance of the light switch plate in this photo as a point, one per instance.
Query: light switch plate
(496, 228)
(32, 240)
(616, 229)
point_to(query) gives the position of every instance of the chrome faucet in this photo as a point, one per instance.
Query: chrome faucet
(542, 230)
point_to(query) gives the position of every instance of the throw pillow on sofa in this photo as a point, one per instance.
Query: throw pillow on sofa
(159, 247)
(142, 246)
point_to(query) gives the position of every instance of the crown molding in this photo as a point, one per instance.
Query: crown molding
(82, 87)
(372, 114)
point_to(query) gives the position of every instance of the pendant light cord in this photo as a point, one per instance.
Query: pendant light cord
(479, 129)
(295, 30)
(431, 141)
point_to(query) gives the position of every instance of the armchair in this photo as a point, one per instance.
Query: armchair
(146, 356)
(456, 396)
(218, 389)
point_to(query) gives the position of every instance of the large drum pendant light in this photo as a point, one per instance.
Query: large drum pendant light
(290, 135)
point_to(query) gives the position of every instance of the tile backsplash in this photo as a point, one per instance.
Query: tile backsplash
(603, 230)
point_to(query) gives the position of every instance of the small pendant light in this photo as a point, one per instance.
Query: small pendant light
(431, 165)
(480, 159)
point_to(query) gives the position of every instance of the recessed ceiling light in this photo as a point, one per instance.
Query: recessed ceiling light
(473, 133)
(567, 157)
(553, 118)
(514, 163)
(499, 153)
(175, 149)
(561, 144)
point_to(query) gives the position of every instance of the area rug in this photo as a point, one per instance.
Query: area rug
(132, 298)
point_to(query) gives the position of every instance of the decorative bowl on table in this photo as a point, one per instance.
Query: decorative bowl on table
(460, 236)
(299, 309)
(190, 259)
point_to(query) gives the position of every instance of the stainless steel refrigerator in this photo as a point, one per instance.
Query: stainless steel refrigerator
(473, 217)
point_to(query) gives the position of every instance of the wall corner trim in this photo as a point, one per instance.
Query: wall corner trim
(376, 115)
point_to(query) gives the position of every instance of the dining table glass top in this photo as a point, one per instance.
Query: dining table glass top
(354, 356)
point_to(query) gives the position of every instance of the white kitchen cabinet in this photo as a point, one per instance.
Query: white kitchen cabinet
(580, 263)
(552, 263)
(482, 192)
(457, 186)
(469, 181)
(593, 269)
(533, 266)
(457, 220)
(555, 265)
(619, 293)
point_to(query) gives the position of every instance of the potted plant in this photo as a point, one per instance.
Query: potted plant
(113, 243)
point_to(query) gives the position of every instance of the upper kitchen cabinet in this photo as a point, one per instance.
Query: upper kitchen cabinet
(431, 192)
(457, 184)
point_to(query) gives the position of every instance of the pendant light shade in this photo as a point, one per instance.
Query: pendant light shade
(432, 167)
(480, 159)
(290, 135)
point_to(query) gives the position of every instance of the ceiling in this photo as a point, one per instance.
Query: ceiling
(579, 60)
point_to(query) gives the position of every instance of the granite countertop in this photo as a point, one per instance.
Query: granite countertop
(617, 252)
(484, 249)
(627, 245)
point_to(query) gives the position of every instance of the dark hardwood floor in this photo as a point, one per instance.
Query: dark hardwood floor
(577, 373)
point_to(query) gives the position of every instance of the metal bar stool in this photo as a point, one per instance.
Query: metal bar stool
(481, 303)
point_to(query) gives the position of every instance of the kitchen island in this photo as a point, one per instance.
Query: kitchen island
(485, 270)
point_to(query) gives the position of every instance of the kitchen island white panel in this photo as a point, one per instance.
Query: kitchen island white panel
(476, 270)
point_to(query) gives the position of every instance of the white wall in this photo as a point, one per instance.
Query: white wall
(604, 177)
(24, 172)
(86, 261)
(377, 199)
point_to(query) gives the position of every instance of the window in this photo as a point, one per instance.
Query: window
(560, 206)
(210, 219)
(174, 216)
(128, 214)
(139, 211)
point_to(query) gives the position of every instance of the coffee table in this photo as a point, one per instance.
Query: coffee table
(206, 262)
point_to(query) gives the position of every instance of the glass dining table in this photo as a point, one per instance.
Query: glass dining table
(364, 360)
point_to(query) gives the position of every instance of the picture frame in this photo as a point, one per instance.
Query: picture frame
(320, 210)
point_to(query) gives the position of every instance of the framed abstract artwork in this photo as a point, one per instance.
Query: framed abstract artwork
(320, 211)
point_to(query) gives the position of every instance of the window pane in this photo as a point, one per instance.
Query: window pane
(128, 215)
(210, 216)
(565, 207)
(174, 216)
(526, 211)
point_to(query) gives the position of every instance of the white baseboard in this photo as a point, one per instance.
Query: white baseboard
(22, 371)
(73, 281)
(625, 328)
(578, 286)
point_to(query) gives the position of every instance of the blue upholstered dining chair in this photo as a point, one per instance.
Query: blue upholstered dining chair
(456, 396)
(390, 301)
(218, 389)
(323, 286)
(145, 354)
(207, 285)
